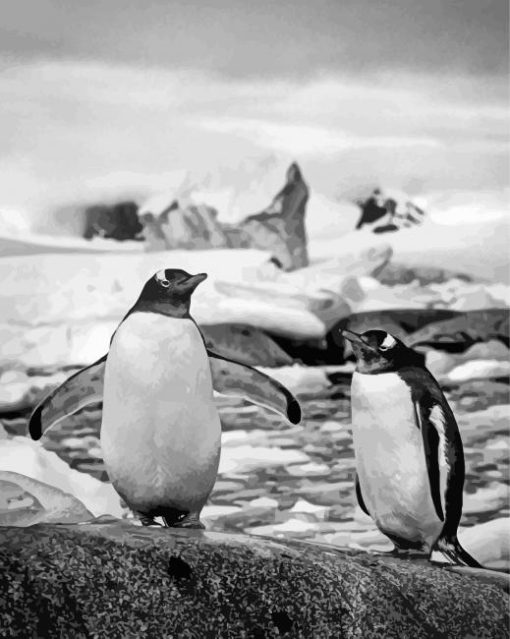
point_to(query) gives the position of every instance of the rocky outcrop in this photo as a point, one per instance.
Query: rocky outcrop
(111, 579)
(280, 228)
(117, 222)
(399, 211)
(191, 227)
(465, 329)
(394, 273)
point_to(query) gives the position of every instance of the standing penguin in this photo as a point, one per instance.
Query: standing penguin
(160, 429)
(409, 456)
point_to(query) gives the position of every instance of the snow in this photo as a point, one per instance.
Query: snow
(21, 455)
(479, 369)
(479, 249)
(489, 542)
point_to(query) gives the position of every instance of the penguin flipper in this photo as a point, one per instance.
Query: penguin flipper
(430, 420)
(81, 389)
(232, 378)
(359, 496)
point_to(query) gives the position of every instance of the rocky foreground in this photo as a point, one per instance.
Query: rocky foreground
(117, 580)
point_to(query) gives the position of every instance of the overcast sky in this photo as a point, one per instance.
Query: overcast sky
(411, 92)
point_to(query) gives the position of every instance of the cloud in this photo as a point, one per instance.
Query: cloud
(303, 140)
(79, 130)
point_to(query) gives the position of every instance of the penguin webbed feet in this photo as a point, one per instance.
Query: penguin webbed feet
(147, 520)
(177, 519)
(452, 550)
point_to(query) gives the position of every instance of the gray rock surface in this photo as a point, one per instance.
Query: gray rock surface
(116, 580)
(467, 328)
(190, 227)
(117, 222)
(395, 273)
(281, 227)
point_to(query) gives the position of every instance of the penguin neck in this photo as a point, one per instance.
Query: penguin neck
(178, 311)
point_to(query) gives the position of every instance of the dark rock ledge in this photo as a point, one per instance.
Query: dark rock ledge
(116, 580)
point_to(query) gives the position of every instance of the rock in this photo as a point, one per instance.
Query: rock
(399, 210)
(493, 349)
(25, 501)
(196, 584)
(189, 227)
(394, 273)
(466, 329)
(403, 321)
(280, 228)
(117, 222)
(245, 344)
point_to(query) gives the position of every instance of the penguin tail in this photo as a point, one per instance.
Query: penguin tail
(452, 550)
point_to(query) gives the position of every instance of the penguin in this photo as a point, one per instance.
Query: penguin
(409, 455)
(160, 428)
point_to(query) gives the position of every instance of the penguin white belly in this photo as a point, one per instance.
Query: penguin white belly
(390, 458)
(160, 432)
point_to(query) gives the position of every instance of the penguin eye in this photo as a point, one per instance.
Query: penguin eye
(164, 283)
(388, 342)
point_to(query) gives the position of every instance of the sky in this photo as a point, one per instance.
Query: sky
(100, 99)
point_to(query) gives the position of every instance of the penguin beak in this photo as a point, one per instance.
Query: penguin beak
(351, 336)
(355, 338)
(193, 281)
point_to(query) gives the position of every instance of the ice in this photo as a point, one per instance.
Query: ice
(489, 542)
(22, 455)
(479, 369)
(244, 458)
(479, 248)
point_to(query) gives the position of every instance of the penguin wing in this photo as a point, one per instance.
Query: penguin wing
(443, 453)
(81, 389)
(232, 378)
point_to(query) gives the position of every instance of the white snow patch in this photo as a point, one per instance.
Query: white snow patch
(21, 455)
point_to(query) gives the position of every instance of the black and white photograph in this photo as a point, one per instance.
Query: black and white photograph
(254, 319)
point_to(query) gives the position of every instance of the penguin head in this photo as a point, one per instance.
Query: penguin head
(377, 351)
(169, 292)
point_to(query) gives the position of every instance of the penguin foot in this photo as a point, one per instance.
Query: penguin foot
(147, 520)
(190, 521)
